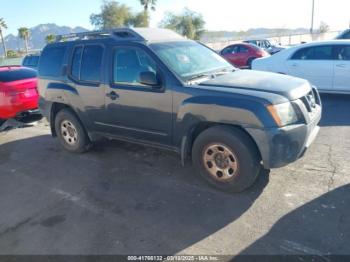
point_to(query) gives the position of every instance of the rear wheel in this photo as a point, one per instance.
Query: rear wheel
(227, 158)
(70, 132)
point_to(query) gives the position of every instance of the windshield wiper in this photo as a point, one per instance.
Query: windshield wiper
(211, 74)
(199, 76)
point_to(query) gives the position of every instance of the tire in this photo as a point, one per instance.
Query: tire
(2, 121)
(250, 61)
(70, 132)
(242, 158)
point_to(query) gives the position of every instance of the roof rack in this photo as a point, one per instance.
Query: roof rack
(120, 34)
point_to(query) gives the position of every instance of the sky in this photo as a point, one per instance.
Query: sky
(229, 15)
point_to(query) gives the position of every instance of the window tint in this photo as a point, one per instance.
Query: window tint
(26, 61)
(33, 61)
(129, 63)
(91, 64)
(227, 50)
(76, 61)
(314, 53)
(344, 53)
(345, 35)
(51, 61)
(243, 49)
(231, 50)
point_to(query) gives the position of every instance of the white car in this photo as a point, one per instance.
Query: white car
(325, 64)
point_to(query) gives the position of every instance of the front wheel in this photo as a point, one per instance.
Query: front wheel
(227, 158)
(71, 132)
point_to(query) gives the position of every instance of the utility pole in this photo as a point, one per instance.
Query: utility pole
(312, 16)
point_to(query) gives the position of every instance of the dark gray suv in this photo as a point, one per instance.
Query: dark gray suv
(153, 87)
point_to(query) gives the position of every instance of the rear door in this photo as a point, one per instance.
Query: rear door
(86, 78)
(315, 64)
(242, 56)
(342, 69)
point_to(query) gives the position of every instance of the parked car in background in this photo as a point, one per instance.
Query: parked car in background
(154, 87)
(18, 94)
(325, 64)
(242, 55)
(344, 35)
(267, 45)
(31, 61)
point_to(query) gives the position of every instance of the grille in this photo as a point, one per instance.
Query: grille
(311, 100)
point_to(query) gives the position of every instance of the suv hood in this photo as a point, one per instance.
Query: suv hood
(287, 86)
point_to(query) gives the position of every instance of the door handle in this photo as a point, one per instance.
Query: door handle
(341, 65)
(112, 95)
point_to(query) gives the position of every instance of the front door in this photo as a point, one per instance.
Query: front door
(135, 110)
(342, 69)
(314, 64)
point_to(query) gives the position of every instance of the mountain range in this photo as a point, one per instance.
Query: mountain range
(38, 35)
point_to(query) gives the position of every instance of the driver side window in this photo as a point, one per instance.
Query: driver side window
(129, 63)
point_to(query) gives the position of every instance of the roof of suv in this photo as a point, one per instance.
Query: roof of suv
(125, 34)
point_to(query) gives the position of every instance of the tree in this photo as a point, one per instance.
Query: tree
(140, 19)
(12, 54)
(143, 18)
(24, 34)
(3, 26)
(113, 14)
(324, 28)
(50, 38)
(148, 3)
(188, 23)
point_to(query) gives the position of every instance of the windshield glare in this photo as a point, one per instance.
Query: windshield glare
(188, 58)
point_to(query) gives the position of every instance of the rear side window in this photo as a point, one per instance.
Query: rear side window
(75, 71)
(51, 61)
(343, 53)
(314, 53)
(243, 49)
(91, 63)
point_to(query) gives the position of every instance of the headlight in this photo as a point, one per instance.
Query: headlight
(283, 114)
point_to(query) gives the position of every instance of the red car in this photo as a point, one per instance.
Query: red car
(18, 93)
(242, 55)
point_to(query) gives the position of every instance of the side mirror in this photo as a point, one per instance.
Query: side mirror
(149, 78)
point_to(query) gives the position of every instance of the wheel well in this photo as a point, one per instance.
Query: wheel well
(56, 107)
(205, 125)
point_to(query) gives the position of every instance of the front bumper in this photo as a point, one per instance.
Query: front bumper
(281, 146)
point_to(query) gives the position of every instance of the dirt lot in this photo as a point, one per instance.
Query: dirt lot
(127, 199)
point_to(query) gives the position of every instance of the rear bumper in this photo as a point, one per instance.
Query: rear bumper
(29, 116)
(281, 146)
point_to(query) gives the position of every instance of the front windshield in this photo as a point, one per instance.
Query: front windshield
(189, 59)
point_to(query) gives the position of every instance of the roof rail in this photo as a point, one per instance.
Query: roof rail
(120, 33)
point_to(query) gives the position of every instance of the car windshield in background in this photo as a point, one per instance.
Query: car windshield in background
(189, 59)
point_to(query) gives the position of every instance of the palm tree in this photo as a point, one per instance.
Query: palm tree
(50, 38)
(3, 26)
(149, 3)
(24, 34)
